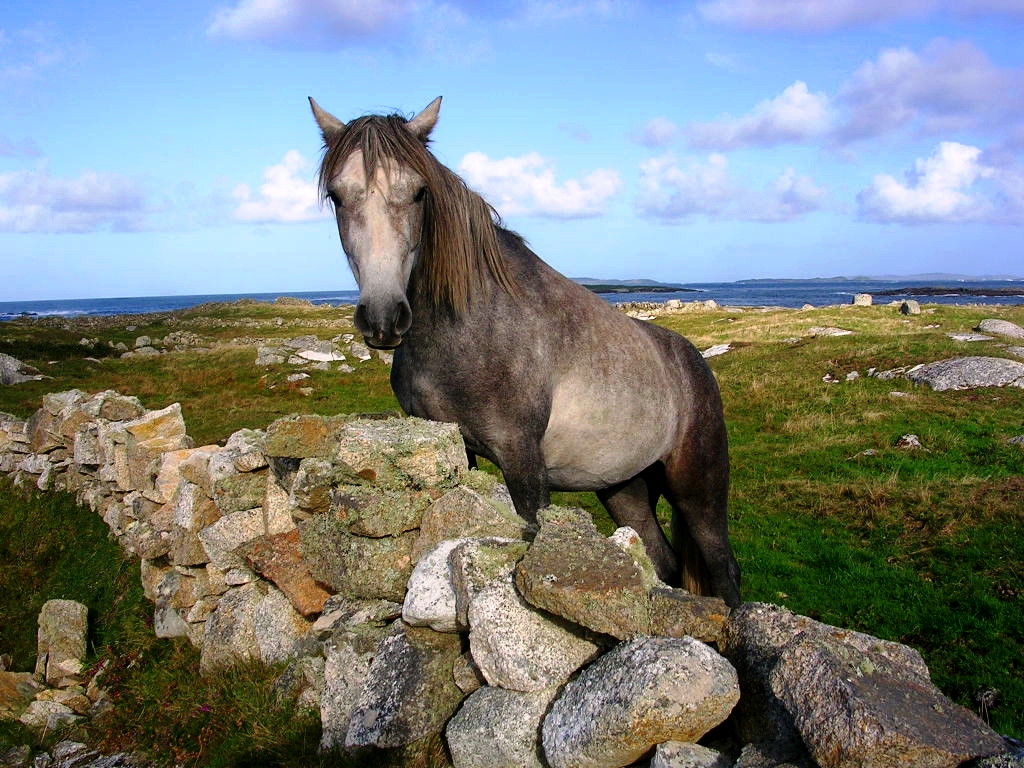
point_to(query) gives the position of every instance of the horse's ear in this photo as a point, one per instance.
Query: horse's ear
(330, 126)
(424, 122)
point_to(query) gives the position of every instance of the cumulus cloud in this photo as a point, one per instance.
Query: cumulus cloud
(526, 186)
(672, 192)
(795, 114)
(309, 23)
(288, 194)
(953, 184)
(948, 86)
(659, 132)
(36, 201)
(824, 15)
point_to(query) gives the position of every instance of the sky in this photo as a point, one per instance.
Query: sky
(168, 148)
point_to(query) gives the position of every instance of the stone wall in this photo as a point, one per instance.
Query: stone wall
(409, 600)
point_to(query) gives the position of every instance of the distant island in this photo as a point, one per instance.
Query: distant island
(631, 286)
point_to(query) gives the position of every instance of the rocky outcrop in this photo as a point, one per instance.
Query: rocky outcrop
(968, 373)
(1001, 328)
(13, 371)
(395, 583)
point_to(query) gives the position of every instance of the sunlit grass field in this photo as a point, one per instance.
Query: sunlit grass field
(925, 546)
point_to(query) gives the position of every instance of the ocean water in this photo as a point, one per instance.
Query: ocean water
(747, 293)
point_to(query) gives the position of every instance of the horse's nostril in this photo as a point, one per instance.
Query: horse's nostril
(404, 319)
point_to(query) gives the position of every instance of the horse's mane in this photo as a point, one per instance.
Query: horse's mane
(459, 243)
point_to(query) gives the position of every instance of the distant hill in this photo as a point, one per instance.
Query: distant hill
(930, 276)
(635, 283)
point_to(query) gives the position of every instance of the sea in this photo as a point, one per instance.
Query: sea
(743, 293)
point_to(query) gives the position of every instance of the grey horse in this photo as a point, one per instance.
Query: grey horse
(544, 378)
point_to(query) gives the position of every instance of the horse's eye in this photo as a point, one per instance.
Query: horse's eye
(335, 199)
(422, 193)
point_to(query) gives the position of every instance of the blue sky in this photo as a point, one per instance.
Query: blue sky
(167, 148)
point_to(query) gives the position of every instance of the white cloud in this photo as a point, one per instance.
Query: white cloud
(796, 114)
(824, 15)
(526, 186)
(659, 132)
(954, 184)
(308, 23)
(670, 192)
(288, 194)
(948, 86)
(808, 15)
(36, 201)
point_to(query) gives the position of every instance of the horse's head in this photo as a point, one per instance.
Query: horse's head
(374, 174)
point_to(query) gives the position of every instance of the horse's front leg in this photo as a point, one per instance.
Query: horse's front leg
(526, 476)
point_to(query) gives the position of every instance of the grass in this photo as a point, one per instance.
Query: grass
(924, 547)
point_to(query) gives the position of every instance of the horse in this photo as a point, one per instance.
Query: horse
(544, 378)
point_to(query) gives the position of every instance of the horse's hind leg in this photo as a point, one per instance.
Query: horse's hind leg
(633, 503)
(697, 486)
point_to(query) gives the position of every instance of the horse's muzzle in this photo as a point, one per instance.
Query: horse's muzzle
(383, 323)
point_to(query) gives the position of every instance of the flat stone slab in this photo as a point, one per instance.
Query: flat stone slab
(1001, 328)
(969, 337)
(968, 373)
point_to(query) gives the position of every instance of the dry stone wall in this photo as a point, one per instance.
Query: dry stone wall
(410, 600)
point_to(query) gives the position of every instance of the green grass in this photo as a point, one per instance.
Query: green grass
(923, 547)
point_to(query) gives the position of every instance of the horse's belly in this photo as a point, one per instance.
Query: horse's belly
(593, 442)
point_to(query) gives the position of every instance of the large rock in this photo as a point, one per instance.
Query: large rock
(61, 639)
(303, 436)
(278, 559)
(363, 567)
(403, 453)
(517, 648)
(147, 438)
(677, 613)
(858, 706)
(409, 690)
(1001, 328)
(968, 373)
(496, 728)
(13, 371)
(464, 512)
(753, 640)
(643, 692)
(573, 571)
(347, 655)
(254, 621)
(223, 537)
(377, 512)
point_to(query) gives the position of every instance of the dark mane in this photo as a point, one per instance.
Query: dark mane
(459, 244)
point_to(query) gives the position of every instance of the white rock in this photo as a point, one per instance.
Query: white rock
(430, 599)
(516, 647)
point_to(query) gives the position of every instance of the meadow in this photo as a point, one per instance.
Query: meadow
(828, 515)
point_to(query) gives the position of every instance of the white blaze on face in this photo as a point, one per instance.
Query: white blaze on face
(379, 222)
